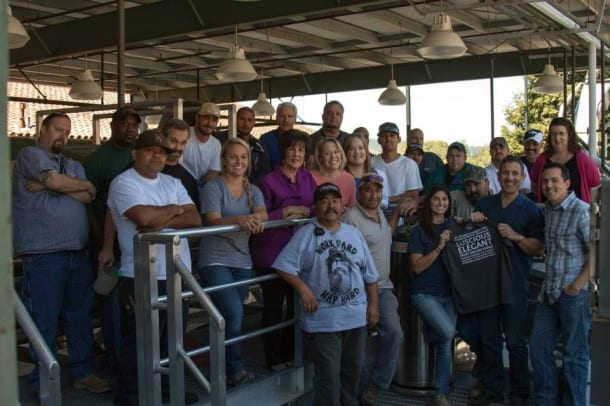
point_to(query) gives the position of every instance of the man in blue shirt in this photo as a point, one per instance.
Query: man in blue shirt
(286, 116)
(519, 221)
(563, 304)
(51, 234)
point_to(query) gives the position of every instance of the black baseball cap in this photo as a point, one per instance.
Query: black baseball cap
(124, 112)
(325, 188)
(151, 138)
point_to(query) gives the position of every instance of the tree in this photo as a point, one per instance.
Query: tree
(540, 109)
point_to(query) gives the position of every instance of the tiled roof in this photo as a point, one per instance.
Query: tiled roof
(81, 122)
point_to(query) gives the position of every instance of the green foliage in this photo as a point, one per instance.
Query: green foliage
(540, 110)
(438, 147)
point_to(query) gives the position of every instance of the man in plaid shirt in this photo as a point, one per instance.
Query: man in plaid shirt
(563, 309)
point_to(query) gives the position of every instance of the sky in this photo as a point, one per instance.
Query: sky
(444, 111)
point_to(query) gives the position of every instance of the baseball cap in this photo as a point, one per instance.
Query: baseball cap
(209, 109)
(499, 140)
(325, 188)
(457, 145)
(475, 174)
(411, 147)
(388, 128)
(151, 138)
(533, 135)
(371, 177)
(124, 112)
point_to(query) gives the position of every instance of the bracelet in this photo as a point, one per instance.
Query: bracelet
(438, 249)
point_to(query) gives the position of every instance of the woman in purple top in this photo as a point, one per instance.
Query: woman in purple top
(288, 193)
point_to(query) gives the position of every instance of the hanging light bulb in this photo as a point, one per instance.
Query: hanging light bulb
(442, 42)
(85, 88)
(236, 68)
(17, 35)
(549, 82)
(262, 107)
(392, 96)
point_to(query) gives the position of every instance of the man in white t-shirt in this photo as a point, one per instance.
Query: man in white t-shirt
(402, 172)
(499, 149)
(141, 199)
(201, 155)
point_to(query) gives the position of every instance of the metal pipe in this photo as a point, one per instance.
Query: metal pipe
(573, 110)
(48, 101)
(121, 52)
(491, 96)
(593, 102)
(194, 369)
(565, 83)
(50, 377)
(604, 108)
(161, 237)
(201, 297)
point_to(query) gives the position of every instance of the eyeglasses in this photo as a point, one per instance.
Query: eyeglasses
(372, 178)
(53, 115)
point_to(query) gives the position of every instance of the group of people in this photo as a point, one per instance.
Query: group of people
(70, 219)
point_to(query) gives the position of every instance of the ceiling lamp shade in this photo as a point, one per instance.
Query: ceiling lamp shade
(85, 87)
(392, 96)
(17, 35)
(236, 68)
(442, 42)
(262, 107)
(549, 81)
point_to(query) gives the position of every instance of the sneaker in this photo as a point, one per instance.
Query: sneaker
(440, 400)
(478, 390)
(93, 384)
(240, 378)
(370, 395)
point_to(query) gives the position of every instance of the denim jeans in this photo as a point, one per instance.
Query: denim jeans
(386, 346)
(439, 317)
(338, 358)
(568, 318)
(60, 284)
(230, 303)
(514, 321)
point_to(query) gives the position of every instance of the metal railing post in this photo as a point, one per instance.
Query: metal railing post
(174, 323)
(50, 377)
(217, 365)
(147, 322)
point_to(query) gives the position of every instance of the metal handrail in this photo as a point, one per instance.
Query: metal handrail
(150, 365)
(50, 378)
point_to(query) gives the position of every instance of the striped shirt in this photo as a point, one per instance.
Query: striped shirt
(567, 244)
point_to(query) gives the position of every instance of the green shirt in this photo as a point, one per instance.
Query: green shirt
(101, 167)
(440, 175)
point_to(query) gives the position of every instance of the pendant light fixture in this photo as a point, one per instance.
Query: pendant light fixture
(442, 42)
(262, 107)
(236, 68)
(392, 96)
(549, 82)
(85, 87)
(17, 35)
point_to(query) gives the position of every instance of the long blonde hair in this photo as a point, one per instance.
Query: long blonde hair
(246, 183)
(319, 147)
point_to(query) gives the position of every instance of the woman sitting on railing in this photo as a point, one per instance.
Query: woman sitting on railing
(225, 258)
(288, 192)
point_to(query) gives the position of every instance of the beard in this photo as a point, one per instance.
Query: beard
(57, 147)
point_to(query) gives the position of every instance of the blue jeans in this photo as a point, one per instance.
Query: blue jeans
(568, 318)
(439, 317)
(60, 284)
(338, 359)
(514, 321)
(230, 303)
(386, 346)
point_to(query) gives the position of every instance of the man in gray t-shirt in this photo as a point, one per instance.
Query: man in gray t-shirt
(329, 265)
